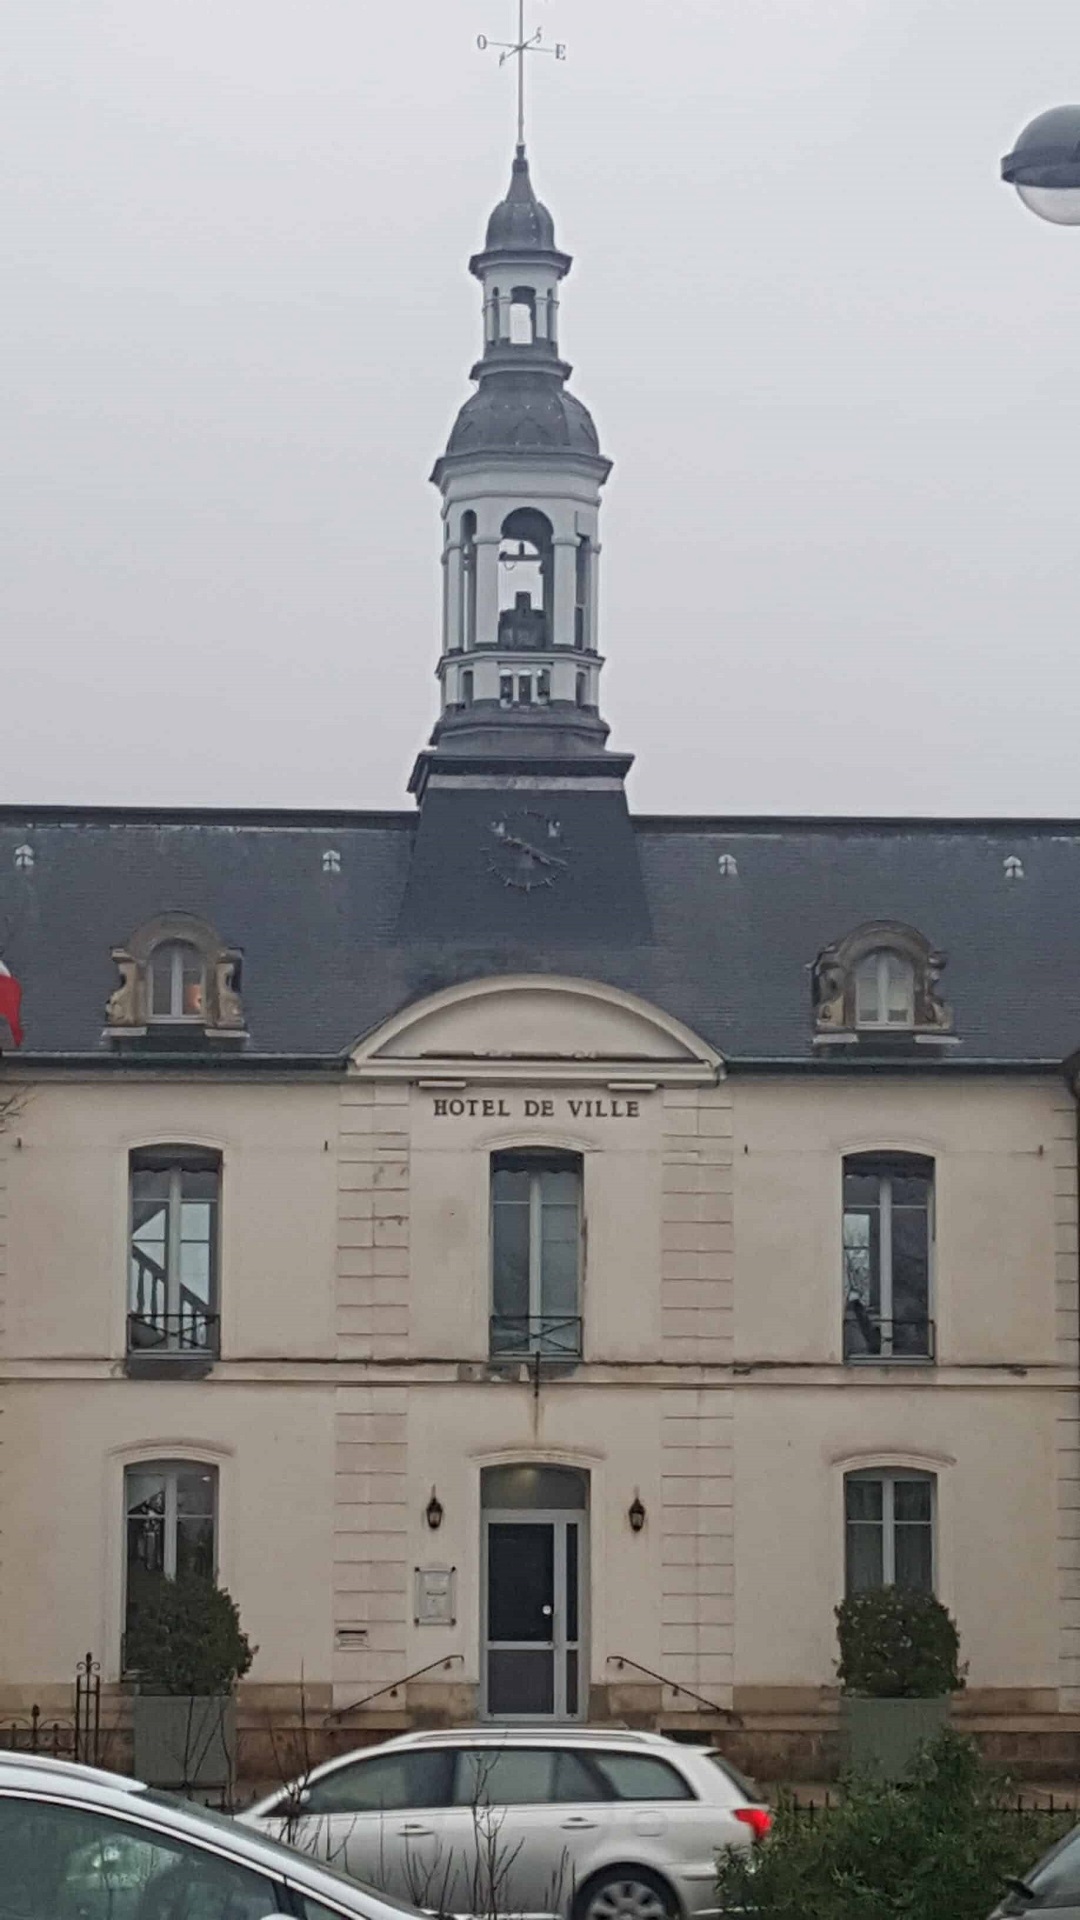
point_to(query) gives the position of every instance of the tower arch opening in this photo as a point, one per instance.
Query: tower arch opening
(522, 316)
(526, 579)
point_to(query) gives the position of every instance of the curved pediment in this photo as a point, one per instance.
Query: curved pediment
(539, 1027)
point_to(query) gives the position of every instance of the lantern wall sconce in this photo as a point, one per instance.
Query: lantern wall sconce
(433, 1512)
(636, 1514)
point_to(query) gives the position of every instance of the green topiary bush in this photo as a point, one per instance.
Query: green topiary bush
(185, 1638)
(938, 1846)
(897, 1645)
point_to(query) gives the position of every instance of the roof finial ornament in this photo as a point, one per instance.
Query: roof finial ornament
(516, 50)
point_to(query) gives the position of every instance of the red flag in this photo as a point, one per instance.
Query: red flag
(10, 1002)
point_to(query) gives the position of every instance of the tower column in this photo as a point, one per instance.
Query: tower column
(565, 546)
(453, 638)
(487, 589)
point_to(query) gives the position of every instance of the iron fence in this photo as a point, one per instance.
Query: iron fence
(77, 1738)
(1037, 1817)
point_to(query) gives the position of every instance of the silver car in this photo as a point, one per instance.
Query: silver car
(1051, 1887)
(77, 1844)
(581, 1824)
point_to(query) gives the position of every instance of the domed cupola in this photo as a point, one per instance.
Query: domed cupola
(520, 480)
(520, 220)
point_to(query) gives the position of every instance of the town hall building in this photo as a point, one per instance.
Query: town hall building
(540, 1257)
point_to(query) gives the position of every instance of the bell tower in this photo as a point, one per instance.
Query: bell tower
(524, 851)
(520, 481)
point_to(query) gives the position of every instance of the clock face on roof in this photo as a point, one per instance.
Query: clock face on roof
(526, 850)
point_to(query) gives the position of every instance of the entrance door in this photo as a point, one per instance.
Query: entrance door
(532, 1634)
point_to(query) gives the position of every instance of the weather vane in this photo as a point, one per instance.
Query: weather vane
(516, 50)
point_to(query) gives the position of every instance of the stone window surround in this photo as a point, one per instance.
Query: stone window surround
(834, 985)
(176, 1449)
(128, 1011)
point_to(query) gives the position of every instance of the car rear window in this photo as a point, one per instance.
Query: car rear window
(640, 1776)
(740, 1781)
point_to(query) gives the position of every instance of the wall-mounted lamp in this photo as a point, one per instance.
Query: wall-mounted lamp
(433, 1512)
(636, 1514)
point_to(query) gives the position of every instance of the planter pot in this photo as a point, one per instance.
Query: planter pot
(883, 1737)
(184, 1742)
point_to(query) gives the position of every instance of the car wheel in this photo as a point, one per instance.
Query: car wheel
(626, 1893)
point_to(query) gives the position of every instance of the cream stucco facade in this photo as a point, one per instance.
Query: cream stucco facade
(356, 1379)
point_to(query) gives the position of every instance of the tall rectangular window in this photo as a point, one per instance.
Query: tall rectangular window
(536, 1254)
(170, 1511)
(888, 1232)
(889, 1524)
(173, 1252)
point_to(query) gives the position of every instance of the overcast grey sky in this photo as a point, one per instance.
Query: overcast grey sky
(836, 364)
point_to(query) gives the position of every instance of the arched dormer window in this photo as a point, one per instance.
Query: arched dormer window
(880, 979)
(176, 975)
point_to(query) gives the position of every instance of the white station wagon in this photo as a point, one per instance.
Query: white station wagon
(577, 1823)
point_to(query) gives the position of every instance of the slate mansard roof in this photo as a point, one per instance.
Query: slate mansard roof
(329, 955)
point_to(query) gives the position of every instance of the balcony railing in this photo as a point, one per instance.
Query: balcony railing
(868, 1336)
(546, 1336)
(193, 1332)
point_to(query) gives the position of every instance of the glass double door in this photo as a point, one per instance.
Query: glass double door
(533, 1617)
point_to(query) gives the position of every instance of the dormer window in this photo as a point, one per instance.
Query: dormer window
(884, 990)
(176, 974)
(177, 982)
(880, 980)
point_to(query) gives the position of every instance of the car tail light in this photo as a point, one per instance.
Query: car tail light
(758, 1819)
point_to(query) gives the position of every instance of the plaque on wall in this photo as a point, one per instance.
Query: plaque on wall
(435, 1593)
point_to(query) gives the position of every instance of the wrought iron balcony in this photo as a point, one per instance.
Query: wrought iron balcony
(868, 1336)
(543, 1336)
(183, 1344)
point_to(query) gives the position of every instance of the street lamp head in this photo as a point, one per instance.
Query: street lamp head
(1044, 166)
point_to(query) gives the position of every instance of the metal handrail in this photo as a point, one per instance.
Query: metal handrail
(554, 1336)
(339, 1713)
(675, 1686)
(859, 1321)
(192, 1330)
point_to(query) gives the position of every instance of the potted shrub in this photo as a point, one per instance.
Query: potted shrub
(186, 1649)
(899, 1663)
